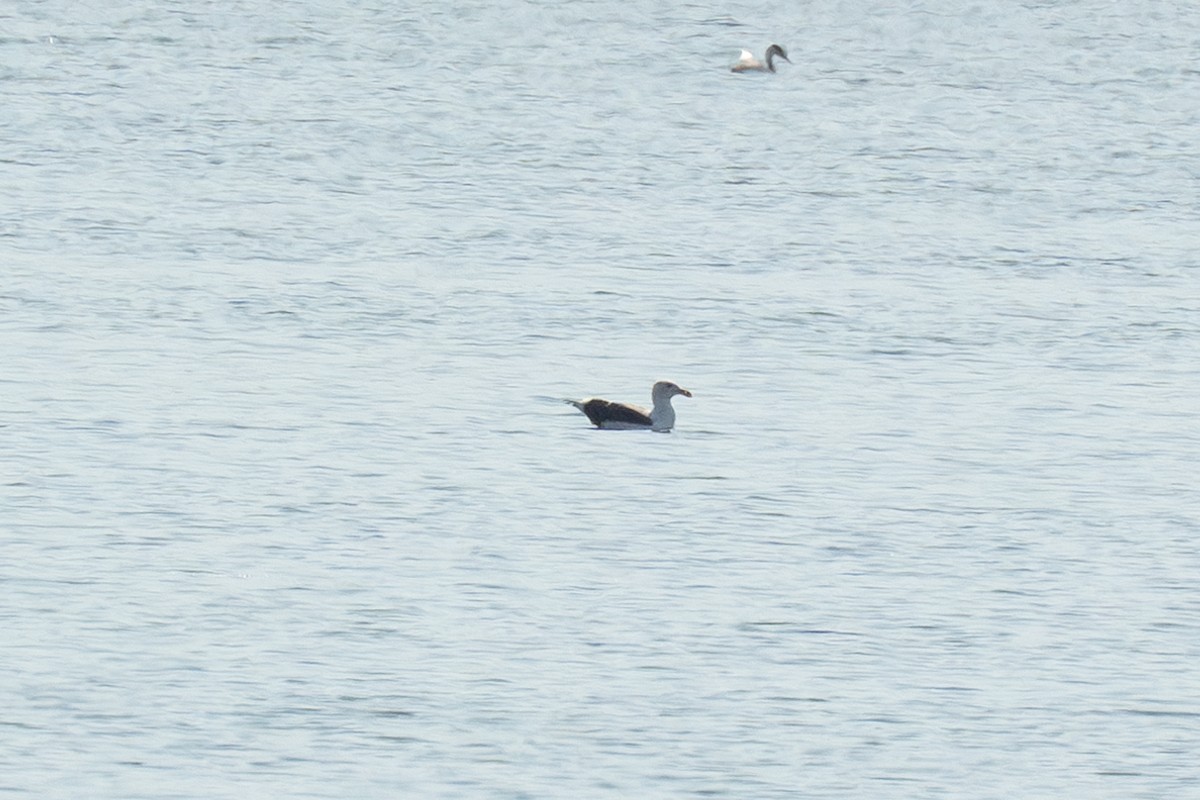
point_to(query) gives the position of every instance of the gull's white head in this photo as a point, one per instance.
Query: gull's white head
(665, 390)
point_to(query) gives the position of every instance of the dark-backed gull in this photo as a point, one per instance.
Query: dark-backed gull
(623, 416)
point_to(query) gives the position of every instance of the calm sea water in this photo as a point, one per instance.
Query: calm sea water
(291, 293)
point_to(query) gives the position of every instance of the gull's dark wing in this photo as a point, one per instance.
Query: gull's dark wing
(601, 411)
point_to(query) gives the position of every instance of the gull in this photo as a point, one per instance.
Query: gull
(623, 416)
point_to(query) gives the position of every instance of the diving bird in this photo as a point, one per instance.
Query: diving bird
(748, 63)
(623, 416)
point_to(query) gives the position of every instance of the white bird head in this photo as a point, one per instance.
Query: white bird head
(666, 389)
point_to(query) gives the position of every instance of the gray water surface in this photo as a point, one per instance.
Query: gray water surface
(291, 295)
